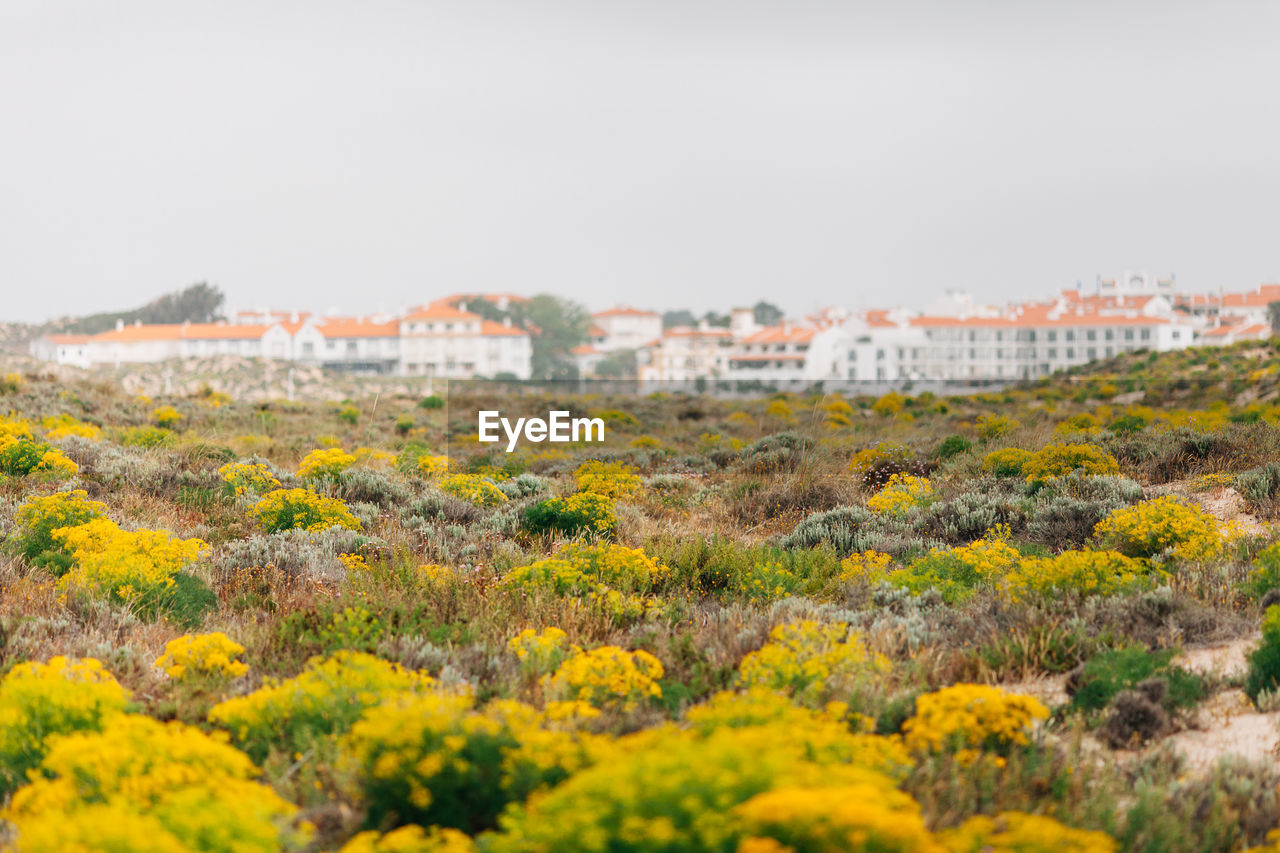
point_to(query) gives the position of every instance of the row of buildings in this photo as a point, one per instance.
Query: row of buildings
(952, 339)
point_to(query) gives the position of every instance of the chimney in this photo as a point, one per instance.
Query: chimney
(462, 306)
(119, 324)
(506, 322)
(137, 324)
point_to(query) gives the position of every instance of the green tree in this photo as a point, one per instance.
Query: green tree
(1273, 315)
(557, 325)
(671, 319)
(617, 365)
(767, 314)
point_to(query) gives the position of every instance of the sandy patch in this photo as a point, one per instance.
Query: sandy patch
(1226, 660)
(1228, 724)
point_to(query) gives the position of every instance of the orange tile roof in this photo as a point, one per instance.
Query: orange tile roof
(585, 350)
(440, 311)
(355, 327)
(596, 332)
(135, 334)
(685, 332)
(222, 331)
(776, 356)
(495, 329)
(67, 340)
(781, 335)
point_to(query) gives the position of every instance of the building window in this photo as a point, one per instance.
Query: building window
(1091, 335)
(308, 348)
(1053, 336)
(1053, 353)
(1128, 334)
(880, 355)
(1070, 335)
(1110, 335)
(1071, 353)
(1146, 334)
(1091, 353)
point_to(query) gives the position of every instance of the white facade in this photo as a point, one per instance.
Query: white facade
(626, 328)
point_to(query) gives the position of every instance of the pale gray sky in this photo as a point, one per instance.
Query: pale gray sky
(668, 153)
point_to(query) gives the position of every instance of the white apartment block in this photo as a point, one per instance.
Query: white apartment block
(445, 342)
(625, 328)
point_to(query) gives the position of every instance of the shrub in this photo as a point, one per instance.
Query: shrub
(22, 456)
(584, 512)
(326, 698)
(1264, 660)
(166, 417)
(36, 520)
(433, 466)
(1058, 460)
(202, 656)
(812, 661)
(616, 577)
(410, 839)
(902, 493)
(1260, 485)
(1077, 572)
(667, 789)
(952, 445)
(248, 478)
(431, 401)
(349, 414)
(1266, 573)
(611, 479)
(473, 488)
(969, 719)
(145, 436)
(129, 567)
(1104, 676)
(289, 509)
(430, 759)
(329, 462)
(539, 652)
(994, 426)
(1017, 832)
(173, 785)
(857, 817)
(62, 426)
(875, 465)
(1007, 462)
(957, 572)
(40, 701)
(1159, 525)
(607, 677)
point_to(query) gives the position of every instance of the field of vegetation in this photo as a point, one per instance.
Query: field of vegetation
(1042, 619)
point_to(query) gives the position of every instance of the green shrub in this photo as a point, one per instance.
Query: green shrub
(578, 513)
(1266, 573)
(1264, 661)
(1107, 674)
(431, 401)
(36, 520)
(952, 445)
(1259, 485)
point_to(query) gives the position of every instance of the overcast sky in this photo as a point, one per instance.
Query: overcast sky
(668, 153)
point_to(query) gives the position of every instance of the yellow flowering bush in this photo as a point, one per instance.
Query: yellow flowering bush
(35, 521)
(166, 417)
(994, 426)
(540, 652)
(902, 493)
(132, 567)
(767, 581)
(1007, 462)
(667, 789)
(473, 489)
(192, 791)
(325, 698)
(1159, 525)
(329, 462)
(583, 512)
(433, 759)
(301, 509)
(1081, 572)
(433, 466)
(869, 566)
(411, 839)
(248, 478)
(22, 456)
(968, 719)
(885, 453)
(611, 479)
(812, 661)
(203, 655)
(1058, 460)
(39, 701)
(957, 572)
(865, 815)
(1018, 832)
(608, 677)
(64, 425)
(617, 577)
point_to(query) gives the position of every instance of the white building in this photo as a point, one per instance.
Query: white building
(685, 353)
(442, 341)
(625, 328)
(62, 349)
